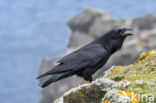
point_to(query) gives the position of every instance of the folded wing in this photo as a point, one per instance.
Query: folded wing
(84, 57)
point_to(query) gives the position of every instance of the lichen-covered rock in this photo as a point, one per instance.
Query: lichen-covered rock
(89, 93)
(111, 70)
(138, 78)
(118, 96)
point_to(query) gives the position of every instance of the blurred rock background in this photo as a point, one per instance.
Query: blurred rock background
(91, 24)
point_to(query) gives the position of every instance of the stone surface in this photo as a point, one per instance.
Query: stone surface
(89, 25)
(83, 93)
(145, 22)
(114, 97)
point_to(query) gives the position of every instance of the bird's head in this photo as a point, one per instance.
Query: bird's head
(122, 33)
(117, 37)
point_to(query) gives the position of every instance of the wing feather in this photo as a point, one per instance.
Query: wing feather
(89, 55)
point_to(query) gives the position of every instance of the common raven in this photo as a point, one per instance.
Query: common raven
(85, 61)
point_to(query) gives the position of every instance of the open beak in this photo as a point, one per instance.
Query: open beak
(128, 32)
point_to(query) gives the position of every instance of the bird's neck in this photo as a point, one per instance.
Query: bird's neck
(111, 45)
(116, 46)
(105, 41)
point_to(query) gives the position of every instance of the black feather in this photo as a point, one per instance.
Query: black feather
(54, 78)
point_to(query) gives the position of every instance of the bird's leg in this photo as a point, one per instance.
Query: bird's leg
(88, 79)
(87, 82)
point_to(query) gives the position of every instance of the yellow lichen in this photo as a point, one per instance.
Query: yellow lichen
(121, 92)
(133, 97)
(116, 69)
(150, 53)
(107, 101)
(143, 69)
(81, 94)
(147, 55)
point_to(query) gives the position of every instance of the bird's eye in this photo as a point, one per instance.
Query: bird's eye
(120, 31)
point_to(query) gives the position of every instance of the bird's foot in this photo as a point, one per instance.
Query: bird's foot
(87, 82)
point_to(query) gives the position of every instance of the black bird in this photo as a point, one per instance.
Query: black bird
(85, 61)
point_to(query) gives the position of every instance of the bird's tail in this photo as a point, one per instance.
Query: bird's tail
(53, 78)
(55, 70)
(45, 74)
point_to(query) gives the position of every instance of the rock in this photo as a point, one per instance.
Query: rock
(117, 96)
(103, 25)
(79, 39)
(83, 93)
(89, 25)
(109, 71)
(145, 22)
(83, 21)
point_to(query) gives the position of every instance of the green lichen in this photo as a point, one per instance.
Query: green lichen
(143, 70)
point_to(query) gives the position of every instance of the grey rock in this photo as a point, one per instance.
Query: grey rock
(114, 97)
(83, 21)
(88, 93)
(103, 25)
(145, 22)
(79, 39)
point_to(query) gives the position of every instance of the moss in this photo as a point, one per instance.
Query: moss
(117, 77)
(144, 70)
